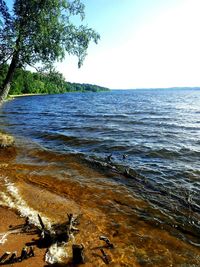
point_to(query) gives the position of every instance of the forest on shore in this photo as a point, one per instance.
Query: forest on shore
(52, 82)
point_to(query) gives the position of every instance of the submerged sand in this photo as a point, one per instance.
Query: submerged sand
(54, 185)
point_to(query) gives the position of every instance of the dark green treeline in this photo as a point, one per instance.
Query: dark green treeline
(27, 82)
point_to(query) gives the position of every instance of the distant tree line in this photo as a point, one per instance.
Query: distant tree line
(53, 82)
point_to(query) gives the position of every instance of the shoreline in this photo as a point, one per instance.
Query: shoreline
(33, 173)
(11, 239)
(41, 94)
(23, 95)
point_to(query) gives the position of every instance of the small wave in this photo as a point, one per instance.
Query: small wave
(170, 154)
(189, 152)
(72, 140)
(163, 153)
(11, 198)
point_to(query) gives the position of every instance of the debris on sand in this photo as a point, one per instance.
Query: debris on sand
(108, 243)
(106, 257)
(57, 240)
(4, 257)
(78, 254)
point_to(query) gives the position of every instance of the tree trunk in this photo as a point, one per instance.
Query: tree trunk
(6, 84)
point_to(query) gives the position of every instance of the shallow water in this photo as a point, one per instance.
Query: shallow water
(151, 211)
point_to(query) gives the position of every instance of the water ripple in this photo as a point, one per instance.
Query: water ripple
(157, 130)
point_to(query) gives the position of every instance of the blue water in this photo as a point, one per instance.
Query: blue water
(157, 129)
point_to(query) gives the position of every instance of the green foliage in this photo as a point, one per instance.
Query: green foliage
(53, 82)
(3, 71)
(77, 87)
(39, 33)
(6, 33)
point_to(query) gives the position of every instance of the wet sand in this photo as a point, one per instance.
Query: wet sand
(16, 241)
(53, 185)
(11, 219)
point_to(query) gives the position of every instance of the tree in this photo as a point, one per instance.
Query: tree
(40, 32)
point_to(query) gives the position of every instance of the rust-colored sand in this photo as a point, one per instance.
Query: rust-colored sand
(9, 218)
(15, 242)
(54, 185)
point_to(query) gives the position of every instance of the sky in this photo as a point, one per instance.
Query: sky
(144, 44)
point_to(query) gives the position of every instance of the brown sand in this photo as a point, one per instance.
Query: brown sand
(10, 219)
(137, 242)
(15, 242)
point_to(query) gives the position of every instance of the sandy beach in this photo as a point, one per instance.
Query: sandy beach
(12, 219)
(11, 238)
(35, 182)
(16, 241)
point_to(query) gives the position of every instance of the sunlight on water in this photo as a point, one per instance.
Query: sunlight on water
(145, 197)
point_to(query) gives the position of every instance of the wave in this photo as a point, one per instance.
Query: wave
(11, 198)
(171, 154)
(163, 153)
(72, 140)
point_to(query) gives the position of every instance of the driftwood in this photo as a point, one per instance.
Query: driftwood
(60, 233)
(27, 226)
(12, 259)
(124, 156)
(41, 222)
(109, 158)
(78, 254)
(31, 252)
(46, 239)
(53, 240)
(72, 221)
(106, 257)
(4, 257)
(24, 254)
(108, 243)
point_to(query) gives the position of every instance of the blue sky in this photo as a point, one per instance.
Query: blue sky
(144, 44)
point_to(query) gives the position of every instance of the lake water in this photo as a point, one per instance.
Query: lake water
(150, 187)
